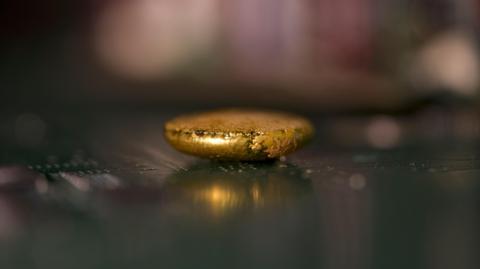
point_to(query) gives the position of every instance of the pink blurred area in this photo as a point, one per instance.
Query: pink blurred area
(253, 39)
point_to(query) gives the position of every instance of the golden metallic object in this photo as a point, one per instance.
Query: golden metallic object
(238, 134)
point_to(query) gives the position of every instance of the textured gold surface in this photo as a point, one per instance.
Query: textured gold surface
(238, 134)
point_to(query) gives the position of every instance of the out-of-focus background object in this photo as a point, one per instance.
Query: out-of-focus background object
(318, 54)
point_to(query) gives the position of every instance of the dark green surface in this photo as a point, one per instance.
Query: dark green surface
(329, 206)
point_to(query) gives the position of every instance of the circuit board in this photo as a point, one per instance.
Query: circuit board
(110, 192)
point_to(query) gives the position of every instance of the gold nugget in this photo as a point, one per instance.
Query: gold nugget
(238, 134)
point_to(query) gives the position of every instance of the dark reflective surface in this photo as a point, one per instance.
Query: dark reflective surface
(114, 195)
(222, 190)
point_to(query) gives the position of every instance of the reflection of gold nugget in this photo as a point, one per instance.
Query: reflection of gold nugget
(218, 190)
(234, 134)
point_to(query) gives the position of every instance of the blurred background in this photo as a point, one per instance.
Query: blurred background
(390, 180)
(313, 54)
